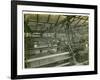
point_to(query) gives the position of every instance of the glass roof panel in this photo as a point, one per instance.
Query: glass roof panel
(43, 17)
(53, 18)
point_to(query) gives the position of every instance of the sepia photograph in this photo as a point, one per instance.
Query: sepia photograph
(55, 40)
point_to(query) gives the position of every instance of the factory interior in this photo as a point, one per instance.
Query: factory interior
(55, 40)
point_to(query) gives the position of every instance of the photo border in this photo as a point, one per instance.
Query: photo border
(14, 4)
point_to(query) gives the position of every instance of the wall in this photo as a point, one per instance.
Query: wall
(5, 30)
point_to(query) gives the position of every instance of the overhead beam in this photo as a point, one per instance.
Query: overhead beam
(57, 20)
(48, 18)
